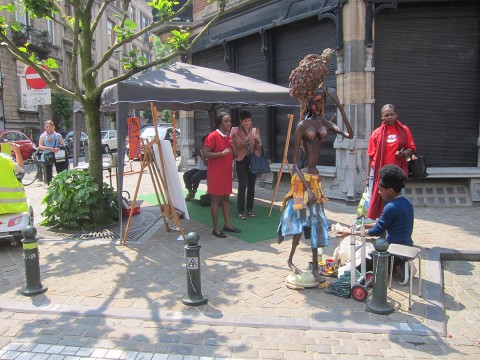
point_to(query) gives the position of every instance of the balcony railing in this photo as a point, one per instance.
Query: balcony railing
(39, 39)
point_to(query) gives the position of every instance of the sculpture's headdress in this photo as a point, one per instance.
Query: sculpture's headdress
(308, 76)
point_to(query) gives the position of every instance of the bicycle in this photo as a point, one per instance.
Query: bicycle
(33, 168)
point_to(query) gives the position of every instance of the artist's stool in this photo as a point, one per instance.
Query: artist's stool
(409, 254)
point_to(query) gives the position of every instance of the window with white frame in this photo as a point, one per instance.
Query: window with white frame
(67, 68)
(23, 89)
(51, 31)
(144, 22)
(22, 16)
(132, 13)
(110, 32)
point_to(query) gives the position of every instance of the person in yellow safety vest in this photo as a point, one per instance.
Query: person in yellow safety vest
(12, 194)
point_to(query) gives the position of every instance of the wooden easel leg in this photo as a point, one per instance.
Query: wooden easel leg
(160, 196)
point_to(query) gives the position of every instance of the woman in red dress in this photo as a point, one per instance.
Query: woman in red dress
(218, 150)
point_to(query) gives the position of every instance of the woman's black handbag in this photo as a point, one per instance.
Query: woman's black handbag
(259, 164)
(49, 158)
(417, 167)
(205, 200)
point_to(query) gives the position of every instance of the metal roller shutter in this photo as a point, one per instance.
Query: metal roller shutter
(212, 58)
(292, 43)
(427, 65)
(249, 61)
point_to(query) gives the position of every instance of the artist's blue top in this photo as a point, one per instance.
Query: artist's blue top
(397, 221)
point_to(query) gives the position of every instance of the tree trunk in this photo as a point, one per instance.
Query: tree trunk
(92, 115)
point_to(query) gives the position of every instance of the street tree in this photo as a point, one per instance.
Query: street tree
(82, 27)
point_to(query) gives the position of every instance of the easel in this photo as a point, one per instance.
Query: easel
(284, 161)
(167, 210)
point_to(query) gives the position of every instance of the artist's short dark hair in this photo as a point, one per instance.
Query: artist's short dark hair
(219, 118)
(245, 114)
(392, 177)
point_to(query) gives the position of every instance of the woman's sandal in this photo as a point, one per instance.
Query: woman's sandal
(219, 234)
(242, 216)
(232, 229)
(251, 214)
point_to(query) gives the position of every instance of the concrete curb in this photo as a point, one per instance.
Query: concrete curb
(217, 319)
(435, 311)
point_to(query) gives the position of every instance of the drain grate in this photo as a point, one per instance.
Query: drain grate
(139, 225)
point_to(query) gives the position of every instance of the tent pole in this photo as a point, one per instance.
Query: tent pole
(122, 113)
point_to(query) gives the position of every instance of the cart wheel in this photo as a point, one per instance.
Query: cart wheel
(369, 278)
(359, 293)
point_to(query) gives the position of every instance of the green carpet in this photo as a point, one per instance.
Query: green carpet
(254, 229)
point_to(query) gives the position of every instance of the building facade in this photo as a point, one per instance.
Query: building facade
(49, 39)
(420, 55)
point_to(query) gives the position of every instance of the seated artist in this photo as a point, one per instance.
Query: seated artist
(198, 173)
(397, 216)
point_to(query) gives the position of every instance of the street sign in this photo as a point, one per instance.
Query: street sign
(33, 79)
(39, 97)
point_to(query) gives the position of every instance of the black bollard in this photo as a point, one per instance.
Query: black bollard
(379, 304)
(32, 264)
(194, 284)
(41, 172)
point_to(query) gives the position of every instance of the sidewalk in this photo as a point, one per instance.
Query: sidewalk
(110, 300)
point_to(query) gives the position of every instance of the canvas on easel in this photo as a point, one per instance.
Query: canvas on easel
(170, 174)
(158, 159)
(284, 161)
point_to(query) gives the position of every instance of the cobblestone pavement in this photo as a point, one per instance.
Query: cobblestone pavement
(108, 301)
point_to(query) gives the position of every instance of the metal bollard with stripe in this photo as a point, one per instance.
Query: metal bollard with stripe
(32, 263)
(194, 284)
(380, 304)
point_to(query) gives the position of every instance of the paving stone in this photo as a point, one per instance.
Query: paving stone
(242, 281)
(270, 354)
(389, 353)
(40, 357)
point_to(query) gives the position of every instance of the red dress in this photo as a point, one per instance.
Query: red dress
(219, 173)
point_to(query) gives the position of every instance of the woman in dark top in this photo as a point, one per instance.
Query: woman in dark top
(246, 143)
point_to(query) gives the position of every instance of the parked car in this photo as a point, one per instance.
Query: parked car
(148, 133)
(26, 145)
(68, 140)
(109, 140)
(164, 133)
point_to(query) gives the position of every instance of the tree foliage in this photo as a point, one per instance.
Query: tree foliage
(82, 28)
(62, 108)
